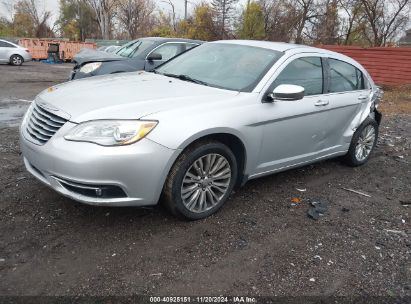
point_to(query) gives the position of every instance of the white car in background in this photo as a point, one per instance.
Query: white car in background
(112, 48)
(109, 49)
(13, 54)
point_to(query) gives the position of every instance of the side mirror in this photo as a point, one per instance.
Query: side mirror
(287, 92)
(154, 56)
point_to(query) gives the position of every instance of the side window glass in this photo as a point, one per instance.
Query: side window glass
(168, 51)
(189, 46)
(344, 77)
(5, 44)
(306, 72)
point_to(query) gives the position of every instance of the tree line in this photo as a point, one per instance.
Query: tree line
(347, 22)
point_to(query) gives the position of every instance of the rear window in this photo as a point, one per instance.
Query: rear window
(344, 77)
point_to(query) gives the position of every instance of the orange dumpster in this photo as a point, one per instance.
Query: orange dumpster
(67, 49)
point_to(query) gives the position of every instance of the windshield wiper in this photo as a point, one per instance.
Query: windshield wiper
(186, 78)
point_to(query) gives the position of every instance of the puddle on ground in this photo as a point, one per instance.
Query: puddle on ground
(12, 111)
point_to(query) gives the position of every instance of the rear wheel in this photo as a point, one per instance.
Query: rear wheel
(16, 60)
(362, 143)
(201, 180)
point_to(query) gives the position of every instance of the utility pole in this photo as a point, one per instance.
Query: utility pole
(185, 9)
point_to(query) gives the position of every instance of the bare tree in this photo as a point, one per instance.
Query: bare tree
(135, 15)
(306, 11)
(105, 11)
(279, 19)
(325, 27)
(173, 14)
(385, 19)
(39, 17)
(351, 20)
(287, 20)
(223, 10)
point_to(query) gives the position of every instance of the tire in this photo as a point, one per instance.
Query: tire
(200, 196)
(361, 148)
(16, 60)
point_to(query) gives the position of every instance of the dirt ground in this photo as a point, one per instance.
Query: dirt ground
(260, 243)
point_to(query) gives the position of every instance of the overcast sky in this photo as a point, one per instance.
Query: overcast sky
(53, 6)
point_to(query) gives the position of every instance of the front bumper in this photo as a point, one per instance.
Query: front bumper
(137, 172)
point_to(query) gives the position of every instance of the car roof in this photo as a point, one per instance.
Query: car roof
(163, 39)
(280, 46)
(276, 46)
(291, 49)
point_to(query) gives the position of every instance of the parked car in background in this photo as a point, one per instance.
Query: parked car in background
(112, 49)
(206, 121)
(13, 54)
(102, 48)
(141, 54)
(109, 48)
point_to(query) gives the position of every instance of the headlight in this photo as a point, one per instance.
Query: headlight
(111, 132)
(90, 67)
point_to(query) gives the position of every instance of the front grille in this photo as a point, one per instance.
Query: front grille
(43, 124)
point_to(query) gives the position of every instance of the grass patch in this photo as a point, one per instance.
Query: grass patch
(396, 100)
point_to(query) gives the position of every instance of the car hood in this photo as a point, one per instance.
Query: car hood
(126, 96)
(91, 55)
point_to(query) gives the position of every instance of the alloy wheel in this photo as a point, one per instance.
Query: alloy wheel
(365, 143)
(16, 60)
(206, 182)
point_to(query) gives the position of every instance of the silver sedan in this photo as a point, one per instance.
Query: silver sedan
(200, 125)
(13, 54)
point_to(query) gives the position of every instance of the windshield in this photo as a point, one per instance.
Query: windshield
(228, 66)
(134, 48)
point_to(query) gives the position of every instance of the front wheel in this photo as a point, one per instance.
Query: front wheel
(201, 180)
(363, 143)
(16, 60)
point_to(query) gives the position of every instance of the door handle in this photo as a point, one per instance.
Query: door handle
(321, 103)
(363, 97)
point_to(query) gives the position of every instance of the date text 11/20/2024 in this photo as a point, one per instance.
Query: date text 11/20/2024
(218, 299)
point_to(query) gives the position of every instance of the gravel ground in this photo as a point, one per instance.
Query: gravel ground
(260, 243)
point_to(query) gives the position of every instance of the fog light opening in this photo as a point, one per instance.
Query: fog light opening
(99, 192)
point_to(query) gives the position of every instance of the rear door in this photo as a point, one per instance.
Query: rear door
(347, 92)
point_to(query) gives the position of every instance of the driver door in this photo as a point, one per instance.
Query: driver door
(294, 131)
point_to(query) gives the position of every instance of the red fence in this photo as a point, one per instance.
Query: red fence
(387, 65)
